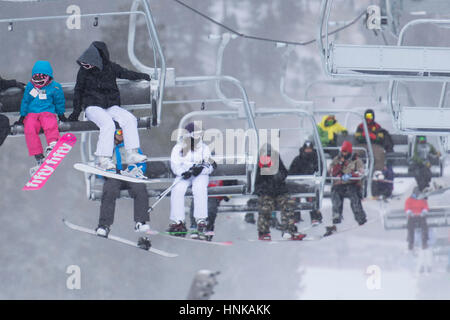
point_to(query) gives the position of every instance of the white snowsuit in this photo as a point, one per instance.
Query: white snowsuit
(180, 164)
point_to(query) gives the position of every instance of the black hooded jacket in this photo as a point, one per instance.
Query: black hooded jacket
(305, 163)
(97, 86)
(272, 185)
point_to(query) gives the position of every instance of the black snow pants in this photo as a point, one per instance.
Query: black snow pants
(351, 191)
(417, 222)
(111, 191)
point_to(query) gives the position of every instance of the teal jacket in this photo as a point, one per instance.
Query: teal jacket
(51, 98)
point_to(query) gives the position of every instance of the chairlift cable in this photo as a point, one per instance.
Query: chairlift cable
(268, 39)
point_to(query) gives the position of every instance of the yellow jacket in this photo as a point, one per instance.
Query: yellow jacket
(327, 133)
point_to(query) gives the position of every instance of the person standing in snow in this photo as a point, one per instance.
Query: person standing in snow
(42, 99)
(112, 187)
(97, 93)
(192, 164)
(347, 165)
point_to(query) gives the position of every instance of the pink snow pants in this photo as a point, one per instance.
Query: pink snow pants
(33, 123)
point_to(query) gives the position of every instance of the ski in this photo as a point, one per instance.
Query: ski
(338, 231)
(51, 162)
(142, 243)
(273, 241)
(94, 170)
(170, 235)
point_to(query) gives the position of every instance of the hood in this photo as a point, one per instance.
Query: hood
(42, 67)
(102, 49)
(91, 56)
(324, 118)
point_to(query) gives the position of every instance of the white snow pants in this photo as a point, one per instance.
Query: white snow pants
(199, 192)
(104, 119)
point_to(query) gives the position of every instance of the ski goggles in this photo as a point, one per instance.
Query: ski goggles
(40, 79)
(369, 116)
(421, 138)
(119, 132)
(330, 122)
(87, 66)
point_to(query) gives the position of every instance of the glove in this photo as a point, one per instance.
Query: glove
(346, 177)
(147, 77)
(196, 170)
(19, 122)
(186, 175)
(20, 85)
(73, 117)
(62, 118)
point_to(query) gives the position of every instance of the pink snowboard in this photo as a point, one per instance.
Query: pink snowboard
(51, 162)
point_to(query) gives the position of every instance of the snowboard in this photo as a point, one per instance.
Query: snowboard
(94, 170)
(168, 234)
(51, 162)
(142, 243)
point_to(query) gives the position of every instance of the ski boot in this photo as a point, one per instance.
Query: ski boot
(209, 235)
(177, 229)
(102, 231)
(362, 221)
(250, 218)
(39, 161)
(142, 227)
(133, 156)
(199, 233)
(315, 223)
(265, 236)
(50, 147)
(298, 236)
(105, 164)
(330, 231)
(133, 171)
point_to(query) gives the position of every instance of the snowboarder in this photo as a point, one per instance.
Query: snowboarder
(112, 187)
(42, 99)
(272, 192)
(307, 163)
(347, 165)
(328, 130)
(421, 162)
(97, 93)
(377, 134)
(192, 164)
(416, 210)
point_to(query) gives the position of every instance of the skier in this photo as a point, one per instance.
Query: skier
(112, 187)
(97, 93)
(416, 210)
(307, 163)
(272, 191)
(213, 207)
(377, 134)
(6, 84)
(328, 130)
(42, 98)
(383, 182)
(420, 163)
(346, 165)
(191, 162)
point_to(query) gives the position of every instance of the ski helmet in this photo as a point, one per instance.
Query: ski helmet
(369, 114)
(347, 146)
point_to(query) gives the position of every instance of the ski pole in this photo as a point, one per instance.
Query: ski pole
(163, 194)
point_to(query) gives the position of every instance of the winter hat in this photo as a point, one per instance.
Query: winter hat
(190, 127)
(308, 144)
(347, 146)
